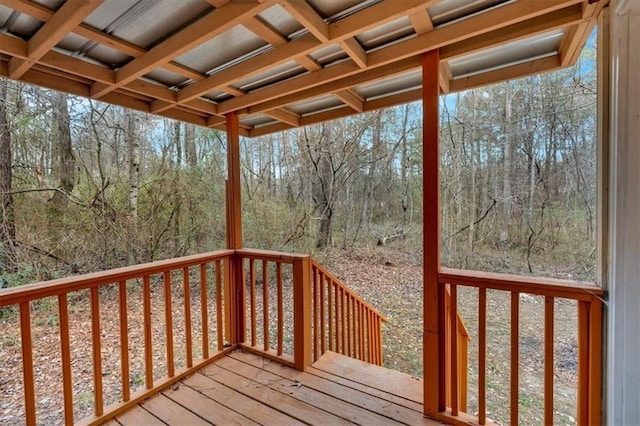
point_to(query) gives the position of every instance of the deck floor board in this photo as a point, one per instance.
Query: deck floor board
(246, 389)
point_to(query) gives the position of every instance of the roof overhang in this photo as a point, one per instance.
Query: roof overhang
(280, 64)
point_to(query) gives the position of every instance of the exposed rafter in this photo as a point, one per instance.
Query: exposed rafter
(330, 50)
(66, 19)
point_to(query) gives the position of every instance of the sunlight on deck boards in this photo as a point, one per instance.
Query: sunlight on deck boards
(247, 389)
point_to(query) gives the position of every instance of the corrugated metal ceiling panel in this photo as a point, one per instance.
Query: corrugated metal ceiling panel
(329, 8)
(281, 20)
(227, 47)
(451, 10)
(282, 72)
(389, 86)
(319, 104)
(542, 45)
(149, 22)
(387, 33)
(166, 78)
(256, 120)
(329, 54)
(20, 25)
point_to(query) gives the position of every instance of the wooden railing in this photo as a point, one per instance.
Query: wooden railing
(342, 321)
(296, 310)
(589, 371)
(174, 279)
(462, 366)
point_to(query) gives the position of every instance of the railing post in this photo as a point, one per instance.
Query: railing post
(302, 312)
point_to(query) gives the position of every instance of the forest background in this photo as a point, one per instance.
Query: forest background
(86, 186)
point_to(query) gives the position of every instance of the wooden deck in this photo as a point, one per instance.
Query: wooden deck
(247, 389)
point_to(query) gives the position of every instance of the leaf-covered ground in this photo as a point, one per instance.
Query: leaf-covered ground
(388, 278)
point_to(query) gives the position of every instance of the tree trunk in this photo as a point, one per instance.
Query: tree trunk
(8, 226)
(507, 204)
(190, 146)
(133, 154)
(66, 163)
(322, 188)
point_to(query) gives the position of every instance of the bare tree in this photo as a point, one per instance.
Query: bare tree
(7, 225)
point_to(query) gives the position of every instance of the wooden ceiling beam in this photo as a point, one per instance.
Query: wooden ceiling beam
(444, 77)
(338, 84)
(508, 73)
(44, 14)
(355, 51)
(265, 31)
(308, 17)
(218, 3)
(578, 34)
(351, 98)
(527, 28)
(476, 26)
(421, 21)
(308, 62)
(69, 16)
(284, 115)
(280, 90)
(197, 33)
(278, 55)
(386, 11)
(300, 48)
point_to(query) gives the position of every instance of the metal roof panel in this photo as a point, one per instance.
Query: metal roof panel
(541, 45)
(228, 47)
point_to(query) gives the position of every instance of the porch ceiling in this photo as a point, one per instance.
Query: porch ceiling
(281, 63)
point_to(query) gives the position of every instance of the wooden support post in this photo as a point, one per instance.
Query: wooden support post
(236, 319)
(234, 202)
(433, 323)
(302, 312)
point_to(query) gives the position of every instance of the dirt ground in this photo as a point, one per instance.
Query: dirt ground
(388, 278)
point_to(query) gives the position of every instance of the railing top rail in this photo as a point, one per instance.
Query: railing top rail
(275, 256)
(567, 289)
(28, 292)
(335, 279)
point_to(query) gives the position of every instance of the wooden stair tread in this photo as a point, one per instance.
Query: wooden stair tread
(384, 379)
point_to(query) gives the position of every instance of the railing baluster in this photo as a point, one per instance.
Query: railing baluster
(548, 359)
(219, 314)
(314, 277)
(583, 363)
(97, 353)
(369, 337)
(379, 322)
(168, 322)
(336, 294)
(204, 309)
(187, 316)
(482, 355)
(280, 308)
(453, 318)
(343, 326)
(348, 297)
(330, 313)
(148, 350)
(252, 296)
(595, 360)
(124, 341)
(362, 331)
(322, 313)
(27, 363)
(265, 304)
(65, 350)
(515, 355)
